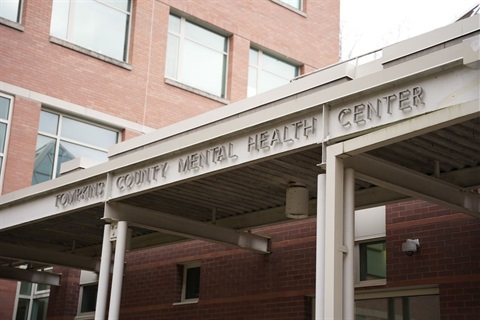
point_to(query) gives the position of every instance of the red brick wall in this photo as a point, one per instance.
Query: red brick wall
(449, 255)
(63, 301)
(8, 290)
(234, 283)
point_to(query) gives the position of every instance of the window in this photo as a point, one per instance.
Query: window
(32, 301)
(373, 260)
(88, 295)
(266, 72)
(196, 57)
(402, 305)
(297, 4)
(98, 25)
(5, 114)
(11, 10)
(63, 138)
(191, 282)
(370, 247)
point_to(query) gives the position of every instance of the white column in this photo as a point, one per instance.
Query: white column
(349, 242)
(117, 277)
(104, 274)
(320, 258)
(334, 248)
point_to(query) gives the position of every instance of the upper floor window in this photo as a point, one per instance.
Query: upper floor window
(11, 10)
(266, 72)
(297, 4)
(62, 138)
(5, 114)
(98, 25)
(196, 57)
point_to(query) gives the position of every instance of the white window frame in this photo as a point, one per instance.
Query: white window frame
(186, 266)
(180, 68)
(34, 295)
(87, 278)
(369, 227)
(75, 46)
(8, 122)
(58, 137)
(260, 69)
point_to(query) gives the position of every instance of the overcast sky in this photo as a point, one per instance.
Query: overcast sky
(368, 25)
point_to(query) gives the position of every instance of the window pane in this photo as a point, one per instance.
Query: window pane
(253, 57)
(25, 288)
(69, 151)
(174, 24)
(87, 133)
(123, 5)
(48, 122)
(270, 81)
(99, 28)
(89, 298)
(39, 309)
(42, 287)
(203, 68)
(4, 108)
(10, 10)
(278, 67)
(373, 261)
(205, 37)
(192, 283)
(59, 22)
(252, 81)
(171, 67)
(3, 136)
(22, 309)
(44, 157)
(294, 3)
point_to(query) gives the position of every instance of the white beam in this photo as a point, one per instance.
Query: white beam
(415, 184)
(17, 274)
(162, 222)
(31, 254)
(334, 248)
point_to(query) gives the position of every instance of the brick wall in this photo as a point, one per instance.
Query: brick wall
(449, 255)
(7, 298)
(63, 301)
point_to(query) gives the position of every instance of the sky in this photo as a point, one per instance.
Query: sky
(368, 25)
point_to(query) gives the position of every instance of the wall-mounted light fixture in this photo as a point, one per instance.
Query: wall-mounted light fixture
(296, 206)
(410, 246)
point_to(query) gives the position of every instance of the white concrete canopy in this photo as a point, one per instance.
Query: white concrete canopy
(413, 112)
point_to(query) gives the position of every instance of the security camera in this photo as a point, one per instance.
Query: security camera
(410, 246)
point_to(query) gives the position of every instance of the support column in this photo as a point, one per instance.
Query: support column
(320, 258)
(349, 242)
(104, 274)
(117, 278)
(334, 248)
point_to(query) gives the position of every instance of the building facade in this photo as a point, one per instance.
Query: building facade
(107, 71)
(410, 253)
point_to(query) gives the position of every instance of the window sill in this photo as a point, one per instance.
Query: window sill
(181, 303)
(90, 53)
(12, 24)
(297, 11)
(371, 283)
(85, 316)
(196, 91)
